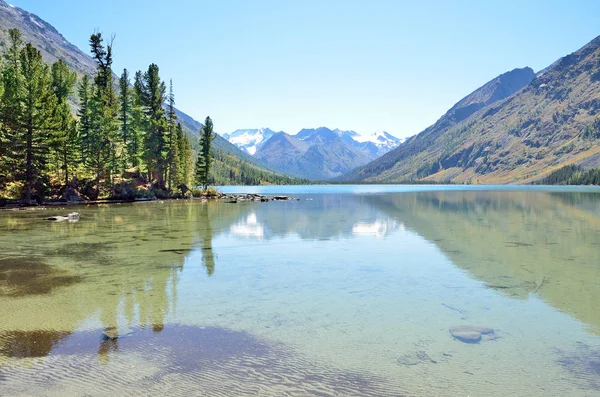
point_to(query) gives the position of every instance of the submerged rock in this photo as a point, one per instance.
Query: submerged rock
(414, 358)
(472, 333)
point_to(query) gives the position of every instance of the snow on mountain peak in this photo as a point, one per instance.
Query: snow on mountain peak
(380, 138)
(379, 142)
(249, 139)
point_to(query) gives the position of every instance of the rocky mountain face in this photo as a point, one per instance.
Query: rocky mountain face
(54, 46)
(313, 153)
(44, 37)
(516, 128)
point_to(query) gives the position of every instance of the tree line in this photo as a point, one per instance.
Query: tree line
(121, 131)
(572, 175)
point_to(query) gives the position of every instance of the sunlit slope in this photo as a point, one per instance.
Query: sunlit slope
(549, 123)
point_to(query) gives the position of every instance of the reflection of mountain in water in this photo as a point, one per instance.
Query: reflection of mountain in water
(517, 243)
(248, 227)
(325, 217)
(380, 228)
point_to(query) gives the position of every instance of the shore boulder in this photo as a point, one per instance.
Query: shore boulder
(72, 217)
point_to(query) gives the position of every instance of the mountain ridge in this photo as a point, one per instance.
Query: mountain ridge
(316, 154)
(550, 122)
(291, 154)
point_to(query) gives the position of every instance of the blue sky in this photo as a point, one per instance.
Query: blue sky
(360, 65)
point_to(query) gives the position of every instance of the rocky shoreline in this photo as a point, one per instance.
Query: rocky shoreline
(229, 198)
(236, 198)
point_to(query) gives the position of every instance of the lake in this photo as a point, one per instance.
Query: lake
(349, 291)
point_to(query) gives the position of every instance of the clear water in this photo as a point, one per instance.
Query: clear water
(351, 290)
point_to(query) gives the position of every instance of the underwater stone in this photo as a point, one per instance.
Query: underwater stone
(471, 333)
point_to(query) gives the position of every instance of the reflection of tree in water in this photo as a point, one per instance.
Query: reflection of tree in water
(126, 261)
(205, 234)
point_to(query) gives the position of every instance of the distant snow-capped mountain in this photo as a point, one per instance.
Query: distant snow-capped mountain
(381, 139)
(249, 140)
(378, 143)
(313, 153)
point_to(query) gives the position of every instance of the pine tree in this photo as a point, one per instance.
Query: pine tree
(104, 145)
(38, 103)
(155, 141)
(138, 121)
(125, 102)
(84, 114)
(63, 80)
(3, 141)
(69, 150)
(204, 158)
(173, 155)
(11, 104)
(64, 142)
(183, 148)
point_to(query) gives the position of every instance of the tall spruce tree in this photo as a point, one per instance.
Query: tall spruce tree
(183, 148)
(125, 102)
(11, 105)
(64, 142)
(155, 151)
(84, 113)
(104, 145)
(38, 102)
(204, 158)
(138, 121)
(3, 141)
(173, 152)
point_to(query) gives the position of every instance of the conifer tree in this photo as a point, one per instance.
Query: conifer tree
(173, 152)
(204, 158)
(125, 103)
(155, 150)
(84, 114)
(69, 150)
(3, 141)
(104, 145)
(64, 142)
(11, 104)
(184, 155)
(38, 102)
(138, 121)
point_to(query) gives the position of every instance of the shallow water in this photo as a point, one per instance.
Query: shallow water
(348, 291)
